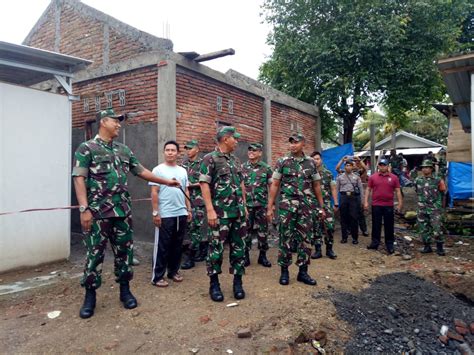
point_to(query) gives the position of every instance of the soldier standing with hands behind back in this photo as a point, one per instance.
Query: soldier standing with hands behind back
(257, 179)
(100, 181)
(298, 180)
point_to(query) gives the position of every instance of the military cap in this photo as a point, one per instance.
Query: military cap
(427, 163)
(191, 144)
(383, 161)
(256, 146)
(108, 113)
(227, 131)
(297, 137)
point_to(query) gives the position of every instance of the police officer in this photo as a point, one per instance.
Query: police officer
(223, 192)
(326, 226)
(298, 180)
(257, 179)
(100, 181)
(197, 249)
(430, 189)
(349, 187)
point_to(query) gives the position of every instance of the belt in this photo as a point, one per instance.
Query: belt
(349, 193)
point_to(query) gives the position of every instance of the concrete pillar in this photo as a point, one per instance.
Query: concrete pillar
(166, 104)
(317, 139)
(267, 130)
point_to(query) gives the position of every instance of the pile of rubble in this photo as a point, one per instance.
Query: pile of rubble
(403, 313)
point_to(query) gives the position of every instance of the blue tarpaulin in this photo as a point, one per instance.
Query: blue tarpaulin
(460, 181)
(332, 156)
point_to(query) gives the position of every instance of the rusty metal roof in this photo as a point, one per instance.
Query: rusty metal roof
(27, 66)
(456, 73)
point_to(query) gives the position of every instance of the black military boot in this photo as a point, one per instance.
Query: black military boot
(87, 309)
(239, 292)
(188, 260)
(215, 289)
(317, 252)
(285, 276)
(202, 254)
(439, 249)
(426, 249)
(262, 259)
(329, 252)
(304, 277)
(247, 257)
(129, 301)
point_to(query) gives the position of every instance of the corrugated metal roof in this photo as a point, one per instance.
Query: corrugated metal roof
(456, 73)
(28, 66)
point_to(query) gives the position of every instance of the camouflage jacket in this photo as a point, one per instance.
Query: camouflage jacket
(223, 174)
(427, 189)
(327, 180)
(442, 167)
(297, 176)
(193, 170)
(105, 167)
(256, 179)
(396, 162)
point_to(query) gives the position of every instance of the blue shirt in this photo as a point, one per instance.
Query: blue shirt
(171, 200)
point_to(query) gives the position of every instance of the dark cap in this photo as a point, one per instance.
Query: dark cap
(255, 146)
(108, 113)
(427, 163)
(191, 144)
(350, 162)
(297, 137)
(227, 131)
(383, 161)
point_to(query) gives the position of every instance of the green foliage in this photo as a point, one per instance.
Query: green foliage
(431, 125)
(346, 55)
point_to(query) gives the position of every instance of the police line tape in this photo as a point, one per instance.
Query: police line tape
(59, 208)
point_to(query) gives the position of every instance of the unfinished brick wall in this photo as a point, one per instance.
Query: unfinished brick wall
(196, 105)
(141, 90)
(82, 36)
(285, 121)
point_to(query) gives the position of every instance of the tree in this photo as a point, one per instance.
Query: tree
(432, 125)
(347, 55)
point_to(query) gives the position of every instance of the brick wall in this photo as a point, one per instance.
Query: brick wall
(285, 121)
(141, 90)
(83, 36)
(196, 105)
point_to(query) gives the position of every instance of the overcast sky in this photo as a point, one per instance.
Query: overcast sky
(202, 26)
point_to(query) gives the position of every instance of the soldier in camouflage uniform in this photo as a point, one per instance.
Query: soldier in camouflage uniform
(430, 189)
(197, 249)
(100, 180)
(223, 192)
(298, 180)
(257, 179)
(324, 226)
(442, 165)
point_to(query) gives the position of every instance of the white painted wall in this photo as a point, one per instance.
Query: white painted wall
(35, 165)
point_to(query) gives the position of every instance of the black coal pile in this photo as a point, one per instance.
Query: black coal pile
(403, 313)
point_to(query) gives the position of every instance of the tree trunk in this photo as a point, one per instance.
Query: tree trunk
(349, 123)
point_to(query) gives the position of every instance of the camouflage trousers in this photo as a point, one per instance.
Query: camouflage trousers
(295, 224)
(323, 226)
(119, 232)
(257, 226)
(429, 223)
(195, 227)
(232, 230)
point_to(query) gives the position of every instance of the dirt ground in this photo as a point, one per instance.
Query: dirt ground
(182, 319)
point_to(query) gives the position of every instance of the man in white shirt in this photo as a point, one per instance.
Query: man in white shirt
(171, 212)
